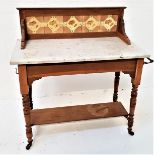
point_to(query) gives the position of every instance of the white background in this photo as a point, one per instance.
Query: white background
(68, 89)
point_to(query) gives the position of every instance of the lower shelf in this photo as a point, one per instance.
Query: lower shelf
(77, 113)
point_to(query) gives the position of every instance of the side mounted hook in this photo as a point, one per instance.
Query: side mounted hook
(16, 71)
(150, 61)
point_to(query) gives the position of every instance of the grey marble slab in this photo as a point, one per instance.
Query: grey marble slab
(75, 50)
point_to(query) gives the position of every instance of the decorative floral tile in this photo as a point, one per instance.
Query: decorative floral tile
(71, 24)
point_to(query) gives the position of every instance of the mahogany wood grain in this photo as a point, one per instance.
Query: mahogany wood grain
(71, 35)
(27, 12)
(77, 113)
(116, 84)
(23, 33)
(24, 89)
(30, 95)
(124, 38)
(26, 110)
(135, 83)
(43, 70)
(132, 108)
(138, 71)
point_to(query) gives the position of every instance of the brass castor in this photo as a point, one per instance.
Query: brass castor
(28, 146)
(126, 116)
(130, 132)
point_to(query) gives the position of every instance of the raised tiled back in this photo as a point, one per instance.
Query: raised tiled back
(45, 23)
(71, 24)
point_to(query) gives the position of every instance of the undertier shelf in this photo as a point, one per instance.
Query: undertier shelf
(77, 113)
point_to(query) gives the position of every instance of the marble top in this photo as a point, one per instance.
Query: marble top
(75, 50)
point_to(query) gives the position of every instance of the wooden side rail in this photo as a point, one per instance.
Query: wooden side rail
(43, 70)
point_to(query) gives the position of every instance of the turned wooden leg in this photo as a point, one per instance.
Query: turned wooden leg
(30, 95)
(27, 108)
(26, 92)
(132, 108)
(116, 84)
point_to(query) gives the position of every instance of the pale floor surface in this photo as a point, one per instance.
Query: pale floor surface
(108, 136)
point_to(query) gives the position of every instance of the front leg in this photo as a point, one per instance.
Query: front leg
(135, 80)
(24, 89)
(132, 108)
(26, 110)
